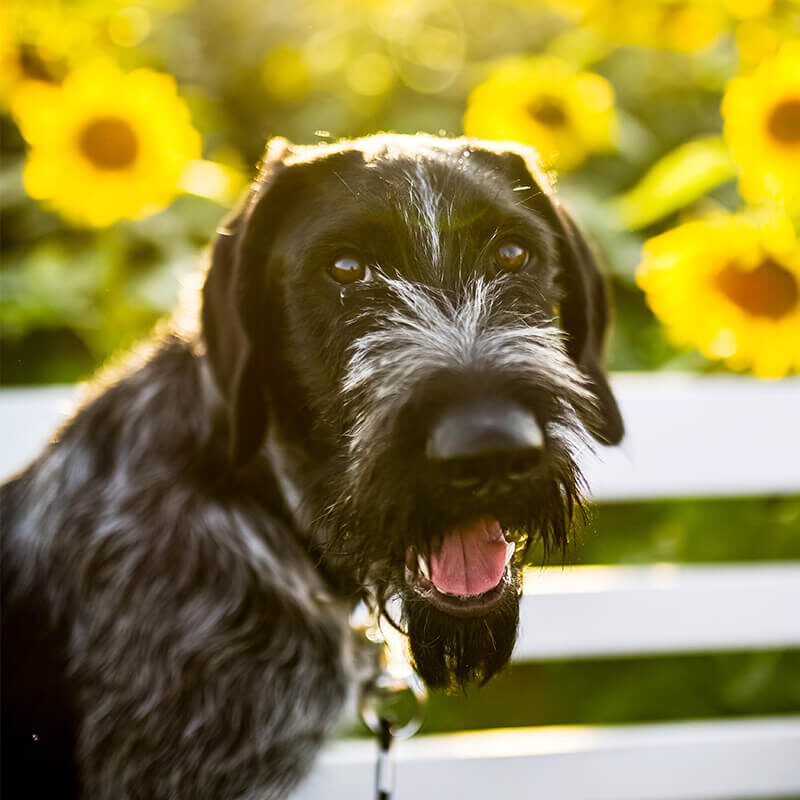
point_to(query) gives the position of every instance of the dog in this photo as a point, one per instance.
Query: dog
(398, 357)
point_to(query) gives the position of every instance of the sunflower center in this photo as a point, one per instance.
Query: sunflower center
(783, 122)
(548, 111)
(769, 290)
(109, 143)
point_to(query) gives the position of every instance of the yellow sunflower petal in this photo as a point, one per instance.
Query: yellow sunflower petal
(762, 127)
(543, 101)
(729, 286)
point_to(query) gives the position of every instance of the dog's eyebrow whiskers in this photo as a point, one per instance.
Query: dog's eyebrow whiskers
(346, 185)
(523, 201)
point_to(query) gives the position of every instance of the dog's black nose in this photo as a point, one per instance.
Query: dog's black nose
(477, 443)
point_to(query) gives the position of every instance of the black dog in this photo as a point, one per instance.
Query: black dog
(400, 349)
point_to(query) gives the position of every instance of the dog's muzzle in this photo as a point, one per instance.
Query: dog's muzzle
(479, 448)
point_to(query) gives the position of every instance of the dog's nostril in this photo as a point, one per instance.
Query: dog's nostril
(476, 443)
(469, 473)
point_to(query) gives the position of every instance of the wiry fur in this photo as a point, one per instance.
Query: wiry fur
(179, 564)
(204, 655)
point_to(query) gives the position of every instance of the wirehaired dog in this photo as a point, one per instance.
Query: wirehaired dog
(400, 351)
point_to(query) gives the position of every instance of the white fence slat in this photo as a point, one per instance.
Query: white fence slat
(700, 436)
(581, 612)
(29, 416)
(744, 758)
(687, 435)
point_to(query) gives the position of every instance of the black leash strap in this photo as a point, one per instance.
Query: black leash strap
(391, 703)
(384, 769)
(389, 721)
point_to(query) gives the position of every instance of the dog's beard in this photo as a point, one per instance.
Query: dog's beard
(449, 652)
(371, 549)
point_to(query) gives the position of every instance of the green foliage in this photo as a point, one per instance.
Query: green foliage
(676, 180)
(701, 531)
(631, 690)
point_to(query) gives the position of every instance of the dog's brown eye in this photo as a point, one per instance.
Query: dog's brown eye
(349, 269)
(511, 257)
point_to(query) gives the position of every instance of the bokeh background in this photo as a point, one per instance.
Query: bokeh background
(127, 129)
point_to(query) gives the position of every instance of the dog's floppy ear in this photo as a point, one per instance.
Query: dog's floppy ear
(584, 306)
(235, 315)
(584, 317)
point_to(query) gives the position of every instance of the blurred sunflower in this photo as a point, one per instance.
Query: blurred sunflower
(106, 145)
(731, 287)
(762, 127)
(543, 101)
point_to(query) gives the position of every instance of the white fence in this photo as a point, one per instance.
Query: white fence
(688, 436)
(754, 758)
(588, 612)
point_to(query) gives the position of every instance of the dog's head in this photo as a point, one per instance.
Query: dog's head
(410, 329)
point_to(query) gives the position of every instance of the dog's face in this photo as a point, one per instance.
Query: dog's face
(411, 331)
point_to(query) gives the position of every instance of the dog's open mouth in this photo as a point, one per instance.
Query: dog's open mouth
(467, 571)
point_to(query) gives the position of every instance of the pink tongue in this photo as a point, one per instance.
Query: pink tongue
(471, 560)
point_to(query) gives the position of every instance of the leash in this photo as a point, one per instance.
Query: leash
(384, 768)
(392, 705)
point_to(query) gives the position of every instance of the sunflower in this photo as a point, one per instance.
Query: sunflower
(730, 286)
(105, 145)
(762, 127)
(566, 115)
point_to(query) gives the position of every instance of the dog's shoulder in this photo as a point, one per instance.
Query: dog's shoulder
(142, 467)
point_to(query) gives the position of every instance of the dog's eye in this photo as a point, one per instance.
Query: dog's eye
(349, 269)
(511, 257)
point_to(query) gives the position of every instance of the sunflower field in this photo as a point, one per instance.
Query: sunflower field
(672, 128)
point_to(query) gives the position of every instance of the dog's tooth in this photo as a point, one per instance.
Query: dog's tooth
(422, 564)
(510, 549)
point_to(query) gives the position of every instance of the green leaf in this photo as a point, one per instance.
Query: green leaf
(674, 181)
